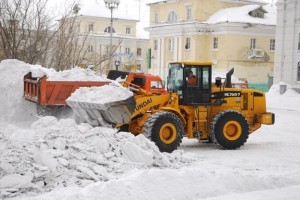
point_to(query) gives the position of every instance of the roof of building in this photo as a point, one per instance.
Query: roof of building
(248, 1)
(235, 1)
(241, 15)
(98, 9)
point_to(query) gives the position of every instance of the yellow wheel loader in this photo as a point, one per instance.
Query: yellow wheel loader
(207, 111)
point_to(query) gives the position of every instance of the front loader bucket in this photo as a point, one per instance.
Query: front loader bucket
(96, 114)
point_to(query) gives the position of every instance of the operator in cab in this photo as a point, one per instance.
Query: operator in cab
(191, 79)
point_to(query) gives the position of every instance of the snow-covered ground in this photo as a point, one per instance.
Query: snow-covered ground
(45, 158)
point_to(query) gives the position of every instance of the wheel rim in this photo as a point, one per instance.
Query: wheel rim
(167, 133)
(232, 130)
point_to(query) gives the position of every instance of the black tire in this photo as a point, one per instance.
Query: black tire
(208, 141)
(165, 129)
(229, 129)
(124, 128)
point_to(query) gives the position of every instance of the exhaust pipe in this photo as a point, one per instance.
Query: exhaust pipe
(228, 78)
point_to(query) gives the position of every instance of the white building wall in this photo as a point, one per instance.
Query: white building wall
(287, 54)
(176, 50)
(180, 47)
(162, 58)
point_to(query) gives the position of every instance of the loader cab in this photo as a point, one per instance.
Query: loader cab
(191, 81)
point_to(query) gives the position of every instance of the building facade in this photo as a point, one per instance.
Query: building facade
(129, 51)
(239, 34)
(90, 24)
(287, 58)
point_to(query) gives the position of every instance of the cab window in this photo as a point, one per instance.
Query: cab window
(156, 85)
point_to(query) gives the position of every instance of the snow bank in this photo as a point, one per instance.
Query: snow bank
(282, 101)
(60, 153)
(13, 107)
(56, 153)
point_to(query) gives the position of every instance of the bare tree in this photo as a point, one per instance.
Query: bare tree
(26, 30)
(76, 47)
(69, 48)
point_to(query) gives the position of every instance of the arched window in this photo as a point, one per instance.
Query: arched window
(107, 30)
(172, 16)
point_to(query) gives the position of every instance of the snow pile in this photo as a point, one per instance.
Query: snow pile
(60, 153)
(56, 153)
(76, 74)
(13, 107)
(283, 101)
(101, 94)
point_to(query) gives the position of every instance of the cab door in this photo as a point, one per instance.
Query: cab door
(199, 93)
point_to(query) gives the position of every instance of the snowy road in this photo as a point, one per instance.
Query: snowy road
(59, 159)
(267, 167)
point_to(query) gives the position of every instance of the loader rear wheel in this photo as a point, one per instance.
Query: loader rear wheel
(165, 130)
(229, 129)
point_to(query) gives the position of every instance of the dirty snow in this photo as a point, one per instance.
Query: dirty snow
(58, 159)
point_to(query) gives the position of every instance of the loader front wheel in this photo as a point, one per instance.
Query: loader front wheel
(165, 130)
(229, 129)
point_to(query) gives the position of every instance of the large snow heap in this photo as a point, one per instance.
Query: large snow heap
(53, 153)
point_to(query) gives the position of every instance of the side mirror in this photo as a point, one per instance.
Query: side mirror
(218, 81)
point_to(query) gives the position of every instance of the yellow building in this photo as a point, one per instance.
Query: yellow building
(239, 34)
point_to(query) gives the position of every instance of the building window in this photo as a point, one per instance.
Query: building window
(257, 13)
(298, 72)
(70, 29)
(155, 45)
(127, 30)
(78, 28)
(170, 44)
(107, 30)
(272, 44)
(139, 67)
(260, 15)
(156, 18)
(187, 43)
(253, 43)
(188, 11)
(139, 51)
(90, 49)
(299, 43)
(215, 43)
(172, 16)
(91, 27)
(127, 50)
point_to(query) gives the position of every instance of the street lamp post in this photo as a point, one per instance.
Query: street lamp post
(111, 4)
